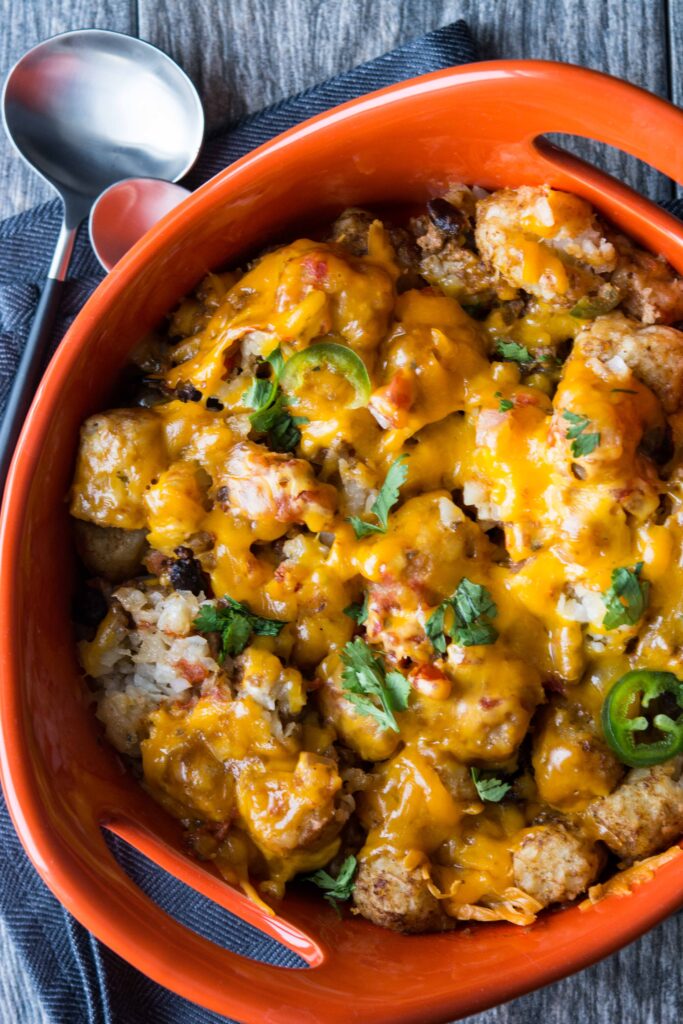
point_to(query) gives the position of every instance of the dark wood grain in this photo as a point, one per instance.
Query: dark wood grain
(25, 23)
(244, 54)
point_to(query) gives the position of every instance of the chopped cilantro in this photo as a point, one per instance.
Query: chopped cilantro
(339, 889)
(504, 404)
(492, 790)
(513, 351)
(472, 607)
(627, 597)
(385, 500)
(624, 391)
(582, 443)
(277, 361)
(271, 417)
(260, 395)
(369, 687)
(358, 612)
(235, 623)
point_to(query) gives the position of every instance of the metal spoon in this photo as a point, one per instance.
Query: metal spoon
(86, 109)
(126, 211)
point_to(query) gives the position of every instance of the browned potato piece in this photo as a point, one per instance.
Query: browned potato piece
(654, 354)
(652, 290)
(272, 489)
(361, 733)
(488, 712)
(284, 811)
(351, 230)
(572, 764)
(109, 551)
(644, 814)
(124, 714)
(120, 453)
(547, 242)
(189, 781)
(553, 864)
(391, 896)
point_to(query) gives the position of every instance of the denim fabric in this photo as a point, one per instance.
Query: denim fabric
(78, 980)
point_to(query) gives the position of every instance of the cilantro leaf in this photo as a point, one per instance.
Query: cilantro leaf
(435, 627)
(235, 623)
(358, 612)
(585, 444)
(472, 601)
(582, 443)
(277, 361)
(478, 634)
(513, 351)
(369, 687)
(491, 790)
(363, 529)
(339, 889)
(399, 688)
(397, 475)
(261, 394)
(504, 405)
(281, 428)
(471, 607)
(578, 422)
(389, 491)
(627, 597)
(271, 416)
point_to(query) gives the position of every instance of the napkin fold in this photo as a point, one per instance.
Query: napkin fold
(75, 979)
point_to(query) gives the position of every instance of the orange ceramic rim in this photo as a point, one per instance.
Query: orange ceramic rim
(477, 123)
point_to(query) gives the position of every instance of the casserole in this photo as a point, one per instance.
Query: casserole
(402, 144)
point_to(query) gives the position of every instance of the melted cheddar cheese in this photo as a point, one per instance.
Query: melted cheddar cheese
(530, 473)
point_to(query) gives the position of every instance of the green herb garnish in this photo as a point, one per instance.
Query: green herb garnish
(624, 391)
(271, 416)
(627, 597)
(277, 361)
(369, 687)
(260, 395)
(235, 623)
(471, 607)
(337, 890)
(491, 790)
(582, 443)
(358, 612)
(512, 351)
(504, 405)
(385, 500)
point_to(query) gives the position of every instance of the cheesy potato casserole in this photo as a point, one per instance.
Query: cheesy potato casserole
(384, 562)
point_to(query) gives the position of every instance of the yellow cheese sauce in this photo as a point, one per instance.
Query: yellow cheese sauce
(529, 474)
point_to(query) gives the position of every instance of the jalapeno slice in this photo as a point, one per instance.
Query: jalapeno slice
(338, 358)
(642, 717)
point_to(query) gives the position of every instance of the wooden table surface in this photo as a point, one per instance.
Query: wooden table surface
(243, 54)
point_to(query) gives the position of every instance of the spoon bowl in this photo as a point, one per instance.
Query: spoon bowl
(126, 211)
(88, 108)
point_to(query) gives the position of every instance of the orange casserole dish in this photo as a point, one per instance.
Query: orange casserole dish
(405, 144)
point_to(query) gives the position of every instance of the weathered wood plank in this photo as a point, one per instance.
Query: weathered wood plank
(243, 54)
(641, 984)
(25, 23)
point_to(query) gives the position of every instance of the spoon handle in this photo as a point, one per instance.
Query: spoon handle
(30, 368)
